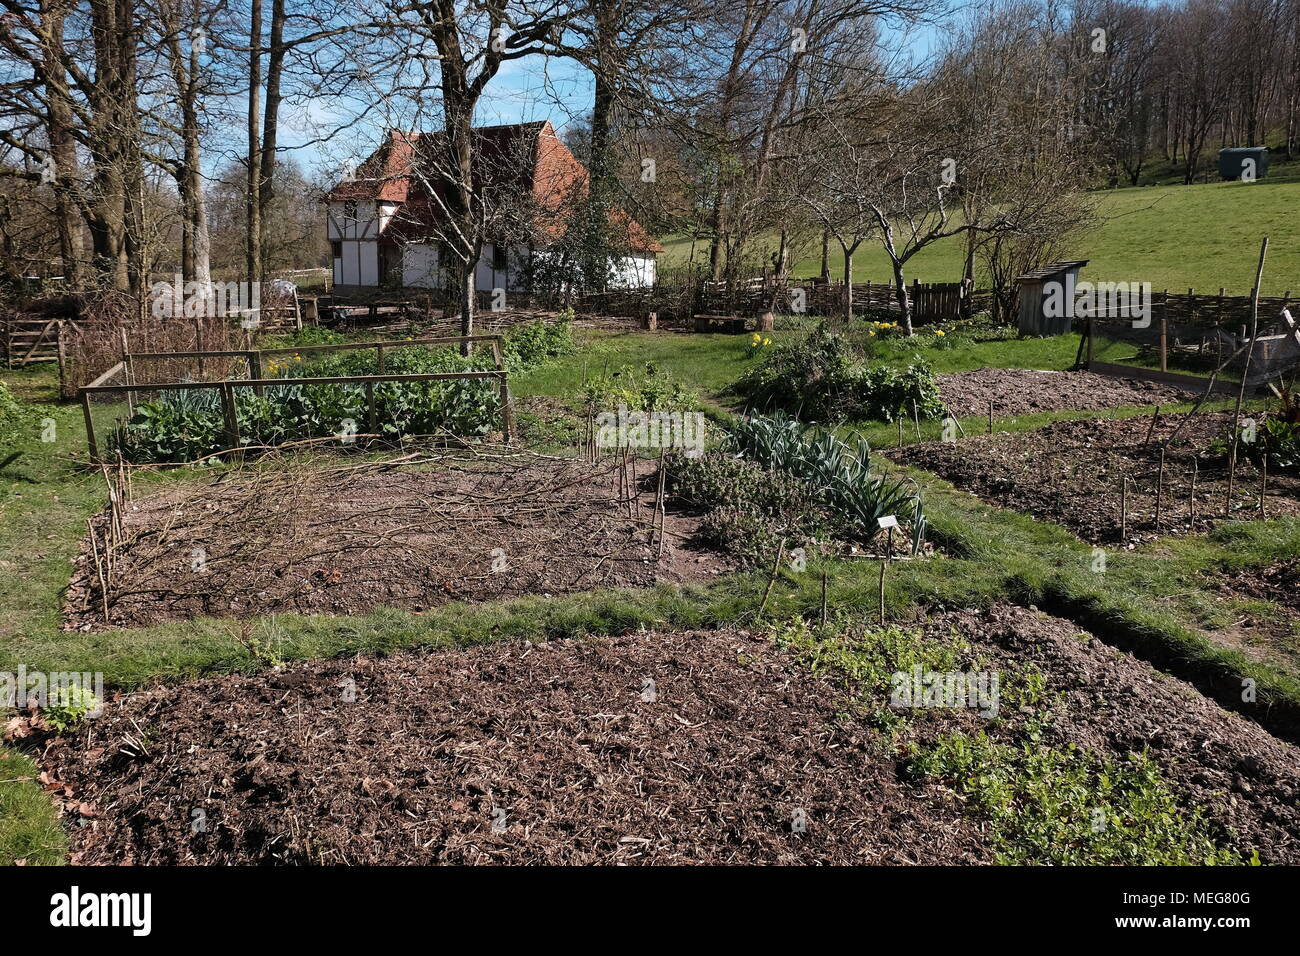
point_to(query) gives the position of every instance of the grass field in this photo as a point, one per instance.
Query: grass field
(1175, 237)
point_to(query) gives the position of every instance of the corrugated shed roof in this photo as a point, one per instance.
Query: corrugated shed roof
(1051, 269)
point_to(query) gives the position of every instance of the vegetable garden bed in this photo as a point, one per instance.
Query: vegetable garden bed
(478, 525)
(1073, 473)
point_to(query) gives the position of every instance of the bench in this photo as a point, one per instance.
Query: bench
(720, 323)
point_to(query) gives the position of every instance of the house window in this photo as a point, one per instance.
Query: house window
(350, 209)
(336, 250)
(500, 258)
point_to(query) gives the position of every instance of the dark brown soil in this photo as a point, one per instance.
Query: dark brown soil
(1018, 391)
(345, 541)
(1072, 473)
(556, 743)
(1269, 632)
(1278, 582)
(1244, 779)
(411, 759)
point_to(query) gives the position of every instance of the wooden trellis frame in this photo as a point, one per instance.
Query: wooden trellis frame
(226, 387)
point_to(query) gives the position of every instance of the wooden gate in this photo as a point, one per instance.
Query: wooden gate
(31, 340)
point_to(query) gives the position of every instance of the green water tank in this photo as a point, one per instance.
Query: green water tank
(1236, 162)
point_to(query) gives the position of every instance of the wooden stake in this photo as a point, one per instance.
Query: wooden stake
(916, 417)
(823, 599)
(659, 502)
(1160, 488)
(1123, 509)
(990, 416)
(1245, 372)
(1263, 485)
(1151, 430)
(1191, 500)
(889, 554)
(883, 565)
(776, 567)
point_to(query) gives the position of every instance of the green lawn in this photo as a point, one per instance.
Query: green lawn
(1175, 237)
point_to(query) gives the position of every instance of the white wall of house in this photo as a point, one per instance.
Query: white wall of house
(357, 263)
(634, 272)
(354, 229)
(421, 268)
(359, 220)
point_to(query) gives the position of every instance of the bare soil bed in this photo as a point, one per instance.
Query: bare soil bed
(347, 540)
(511, 753)
(649, 748)
(1072, 473)
(1015, 391)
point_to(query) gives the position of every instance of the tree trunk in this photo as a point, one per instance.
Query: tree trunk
(63, 148)
(848, 285)
(270, 128)
(252, 200)
(595, 267)
(465, 296)
(900, 294)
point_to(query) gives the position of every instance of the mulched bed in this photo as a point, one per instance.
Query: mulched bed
(556, 744)
(1278, 582)
(1244, 779)
(1016, 391)
(561, 746)
(345, 540)
(1072, 473)
(1263, 633)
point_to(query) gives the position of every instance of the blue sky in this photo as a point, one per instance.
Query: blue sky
(534, 88)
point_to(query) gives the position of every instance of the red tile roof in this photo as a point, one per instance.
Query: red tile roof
(505, 153)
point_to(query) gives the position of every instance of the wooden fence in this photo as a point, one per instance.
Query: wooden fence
(930, 301)
(103, 386)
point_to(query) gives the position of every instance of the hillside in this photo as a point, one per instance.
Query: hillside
(1175, 237)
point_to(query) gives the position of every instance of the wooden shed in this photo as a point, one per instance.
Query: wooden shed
(1033, 293)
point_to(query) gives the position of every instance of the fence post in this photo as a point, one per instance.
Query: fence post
(126, 368)
(90, 429)
(372, 419)
(1164, 340)
(63, 362)
(231, 417)
(254, 357)
(507, 412)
